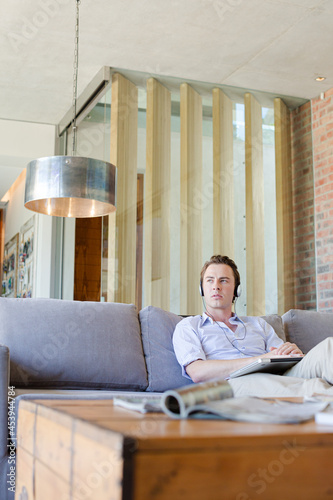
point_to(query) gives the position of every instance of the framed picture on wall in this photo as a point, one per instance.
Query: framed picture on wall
(26, 260)
(10, 264)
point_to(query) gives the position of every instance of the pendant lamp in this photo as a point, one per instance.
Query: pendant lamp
(71, 186)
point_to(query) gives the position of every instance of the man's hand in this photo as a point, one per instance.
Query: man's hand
(203, 370)
(286, 349)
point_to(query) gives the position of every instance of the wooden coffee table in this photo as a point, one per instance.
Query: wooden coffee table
(78, 450)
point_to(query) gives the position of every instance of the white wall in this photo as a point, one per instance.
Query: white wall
(20, 143)
(15, 214)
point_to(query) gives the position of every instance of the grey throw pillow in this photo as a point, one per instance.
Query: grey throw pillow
(157, 327)
(307, 328)
(276, 322)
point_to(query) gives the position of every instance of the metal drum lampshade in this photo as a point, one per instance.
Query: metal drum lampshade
(70, 186)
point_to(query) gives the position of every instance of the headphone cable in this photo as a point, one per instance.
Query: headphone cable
(223, 330)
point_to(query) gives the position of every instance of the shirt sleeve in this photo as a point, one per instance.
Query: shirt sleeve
(272, 339)
(186, 344)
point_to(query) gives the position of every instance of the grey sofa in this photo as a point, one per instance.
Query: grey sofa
(67, 349)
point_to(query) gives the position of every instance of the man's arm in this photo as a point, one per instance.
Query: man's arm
(203, 370)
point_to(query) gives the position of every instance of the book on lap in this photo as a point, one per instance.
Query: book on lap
(269, 365)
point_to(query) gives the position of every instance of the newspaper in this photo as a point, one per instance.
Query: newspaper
(186, 397)
(142, 403)
(215, 399)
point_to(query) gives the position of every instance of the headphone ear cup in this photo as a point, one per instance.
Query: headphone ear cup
(201, 290)
(238, 291)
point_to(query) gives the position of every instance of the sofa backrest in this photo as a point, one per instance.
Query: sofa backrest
(71, 344)
(307, 328)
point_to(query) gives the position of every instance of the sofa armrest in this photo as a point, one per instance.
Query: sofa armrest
(4, 382)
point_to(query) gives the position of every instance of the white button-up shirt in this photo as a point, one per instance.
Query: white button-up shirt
(199, 337)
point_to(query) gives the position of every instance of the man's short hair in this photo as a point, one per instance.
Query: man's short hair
(222, 259)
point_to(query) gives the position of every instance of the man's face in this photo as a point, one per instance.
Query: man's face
(218, 286)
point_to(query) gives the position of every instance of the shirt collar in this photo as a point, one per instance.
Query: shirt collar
(205, 318)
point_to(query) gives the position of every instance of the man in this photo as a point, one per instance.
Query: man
(218, 342)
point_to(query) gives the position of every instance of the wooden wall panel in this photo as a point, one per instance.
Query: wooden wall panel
(284, 208)
(255, 248)
(157, 196)
(88, 255)
(223, 176)
(190, 208)
(122, 226)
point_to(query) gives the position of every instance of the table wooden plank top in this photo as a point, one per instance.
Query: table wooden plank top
(152, 430)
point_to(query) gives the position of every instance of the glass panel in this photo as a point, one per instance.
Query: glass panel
(270, 211)
(93, 132)
(206, 200)
(175, 206)
(240, 202)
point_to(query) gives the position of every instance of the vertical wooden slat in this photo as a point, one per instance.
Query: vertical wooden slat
(157, 195)
(124, 122)
(223, 174)
(284, 213)
(255, 248)
(190, 189)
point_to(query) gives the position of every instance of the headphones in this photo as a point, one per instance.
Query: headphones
(237, 291)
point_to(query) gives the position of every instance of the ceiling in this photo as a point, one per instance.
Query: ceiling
(279, 46)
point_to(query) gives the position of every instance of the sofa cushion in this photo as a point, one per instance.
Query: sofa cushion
(307, 328)
(71, 344)
(157, 327)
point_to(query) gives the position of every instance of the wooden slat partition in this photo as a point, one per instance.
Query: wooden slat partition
(223, 175)
(124, 122)
(190, 208)
(284, 209)
(157, 196)
(255, 249)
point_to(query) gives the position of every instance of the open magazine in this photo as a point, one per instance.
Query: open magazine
(215, 399)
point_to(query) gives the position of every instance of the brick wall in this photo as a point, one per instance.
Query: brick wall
(303, 208)
(322, 126)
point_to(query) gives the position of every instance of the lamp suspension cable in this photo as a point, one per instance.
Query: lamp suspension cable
(71, 186)
(75, 74)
